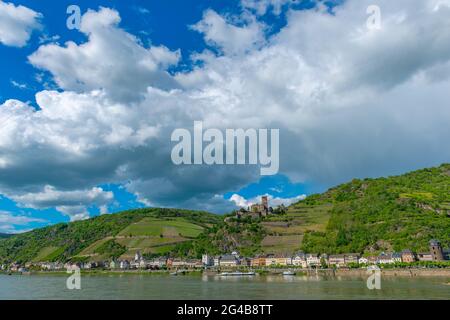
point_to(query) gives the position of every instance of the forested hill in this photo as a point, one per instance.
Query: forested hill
(108, 236)
(4, 235)
(385, 214)
(363, 216)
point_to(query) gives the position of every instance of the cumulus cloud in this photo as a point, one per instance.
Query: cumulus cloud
(71, 203)
(242, 202)
(229, 37)
(111, 59)
(9, 221)
(17, 23)
(349, 102)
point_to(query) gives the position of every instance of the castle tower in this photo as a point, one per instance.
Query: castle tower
(436, 250)
(265, 202)
(264, 206)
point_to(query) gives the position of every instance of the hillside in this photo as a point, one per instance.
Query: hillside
(4, 235)
(108, 236)
(392, 213)
(363, 216)
(278, 234)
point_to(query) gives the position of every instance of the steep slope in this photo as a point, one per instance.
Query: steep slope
(392, 213)
(370, 215)
(280, 234)
(148, 236)
(107, 236)
(362, 216)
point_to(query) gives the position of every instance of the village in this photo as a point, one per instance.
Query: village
(234, 260)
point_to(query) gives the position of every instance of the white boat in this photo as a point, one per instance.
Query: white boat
(288, 273)
(182, 272)
(236, 274)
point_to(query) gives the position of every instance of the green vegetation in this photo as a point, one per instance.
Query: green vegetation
(156, 227)
(48, 254)
(385, 214)
(363, 216)
(244, 236)
(82, 239)
(278, 233)
(110, 249)
(285, 232)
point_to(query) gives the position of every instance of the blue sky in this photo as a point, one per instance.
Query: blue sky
(153, 22)
(165, 22)
(86, 115)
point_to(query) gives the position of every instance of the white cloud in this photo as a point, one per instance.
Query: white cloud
(274, 202)
(17, 23)
(19, 85)
(230, 38)
(9, 222)
(111, 59)
(76, 213)
(71, 203)
(104, 210)
(349, 102)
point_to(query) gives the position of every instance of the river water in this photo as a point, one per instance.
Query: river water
(275, 287)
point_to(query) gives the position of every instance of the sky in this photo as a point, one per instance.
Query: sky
(86, 113)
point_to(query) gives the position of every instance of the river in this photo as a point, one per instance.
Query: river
(192, 287)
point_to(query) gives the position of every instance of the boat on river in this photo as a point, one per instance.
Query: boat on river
(236, 274)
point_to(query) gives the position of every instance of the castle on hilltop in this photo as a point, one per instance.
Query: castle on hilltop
(256, 210)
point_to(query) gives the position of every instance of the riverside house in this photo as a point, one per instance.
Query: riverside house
(193, 264)
(397, 257)
(312, 260)
(351, 258)
(385, 258)
(52, 266)
(176, 263)
(337, 260)
(408, 256)
(246, 262)
(158, 262)
(124, 264)
(228, 260)
(258, 262)
(299, 259)
(278, 260)
(425, 256)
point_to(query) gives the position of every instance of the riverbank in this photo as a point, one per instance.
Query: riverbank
(413, 272)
